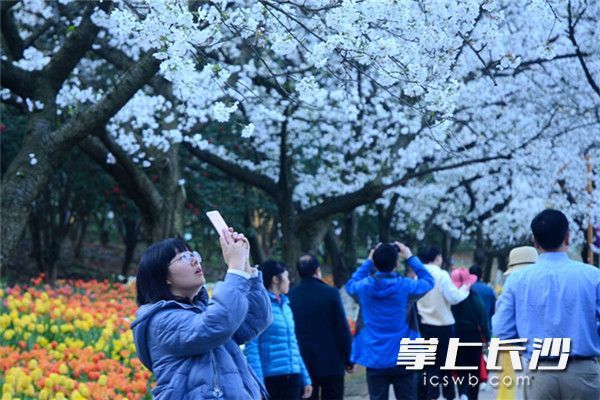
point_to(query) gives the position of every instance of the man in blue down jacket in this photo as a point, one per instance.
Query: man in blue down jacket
(384, 299)
(204, 361)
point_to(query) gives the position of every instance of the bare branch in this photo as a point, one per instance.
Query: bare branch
(582, 61)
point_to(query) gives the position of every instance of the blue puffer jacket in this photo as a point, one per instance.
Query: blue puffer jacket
(276, 351)
(193, 349)
(385, 299)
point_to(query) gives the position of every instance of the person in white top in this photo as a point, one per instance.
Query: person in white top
(436, 321)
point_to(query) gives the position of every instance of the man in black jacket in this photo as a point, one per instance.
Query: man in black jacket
(322, 330)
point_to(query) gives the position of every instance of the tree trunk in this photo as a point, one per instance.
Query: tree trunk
(131, 230)
(384, 218)
(170, 221)
(24, 180)
(312, 236)
(103, 231)
(338, 263)
(448, 248)
(383, 224)
(83, 225)
(349, 231)
(36, 241)
(502, 258)
(487, 268)
(290, 244)
(256, 251)
(480, 253)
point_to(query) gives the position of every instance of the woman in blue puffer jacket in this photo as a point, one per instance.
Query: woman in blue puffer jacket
(189, 342)
(275, 355)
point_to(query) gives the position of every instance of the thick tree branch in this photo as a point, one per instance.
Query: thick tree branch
(136, 184)
(10, 32)
(372, 191)
(120, 60)
(17, 80)
(22, 182)
(164, 88)
(74, 48)
(98, 115)
(242, 174)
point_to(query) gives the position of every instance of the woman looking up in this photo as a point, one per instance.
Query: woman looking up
(189, 342)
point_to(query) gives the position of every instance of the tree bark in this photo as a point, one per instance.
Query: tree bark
(83, 225)
(256, 251)
(23, 181)
(338, 263)
(130, 233)
(170, 221)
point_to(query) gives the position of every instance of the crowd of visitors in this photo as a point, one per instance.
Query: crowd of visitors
(297, 343)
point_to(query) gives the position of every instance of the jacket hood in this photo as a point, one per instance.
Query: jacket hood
(144, 315)
(384, 284)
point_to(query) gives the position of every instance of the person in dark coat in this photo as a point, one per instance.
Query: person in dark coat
(471, 326)
(322, 330)
(485, 292)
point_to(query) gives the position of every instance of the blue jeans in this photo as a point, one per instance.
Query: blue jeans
(403, 381)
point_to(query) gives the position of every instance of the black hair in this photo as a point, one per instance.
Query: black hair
(476, 270)
(153, 269)
(385, 257)
(429, 253)
(269, 269)
(307, 265)
(549, 228)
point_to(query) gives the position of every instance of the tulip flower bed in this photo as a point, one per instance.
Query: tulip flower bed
(70, 342)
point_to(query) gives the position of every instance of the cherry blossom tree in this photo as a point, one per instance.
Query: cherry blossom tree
(420, 106)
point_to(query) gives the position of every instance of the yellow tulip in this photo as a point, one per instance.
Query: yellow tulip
(63, 369)
(8, 334)
(83, 389)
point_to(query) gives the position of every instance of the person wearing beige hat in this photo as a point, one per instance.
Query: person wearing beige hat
(521, 257)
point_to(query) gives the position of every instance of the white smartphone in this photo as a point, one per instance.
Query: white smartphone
(217, 221)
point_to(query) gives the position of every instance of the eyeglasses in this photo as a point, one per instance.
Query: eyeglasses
(188, 257)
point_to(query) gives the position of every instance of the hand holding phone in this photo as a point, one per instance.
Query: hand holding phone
(234, 245)
(217, 221)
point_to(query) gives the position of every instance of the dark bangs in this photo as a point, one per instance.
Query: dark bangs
(153, 269)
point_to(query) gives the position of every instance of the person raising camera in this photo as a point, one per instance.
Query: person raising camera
(385, 297)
